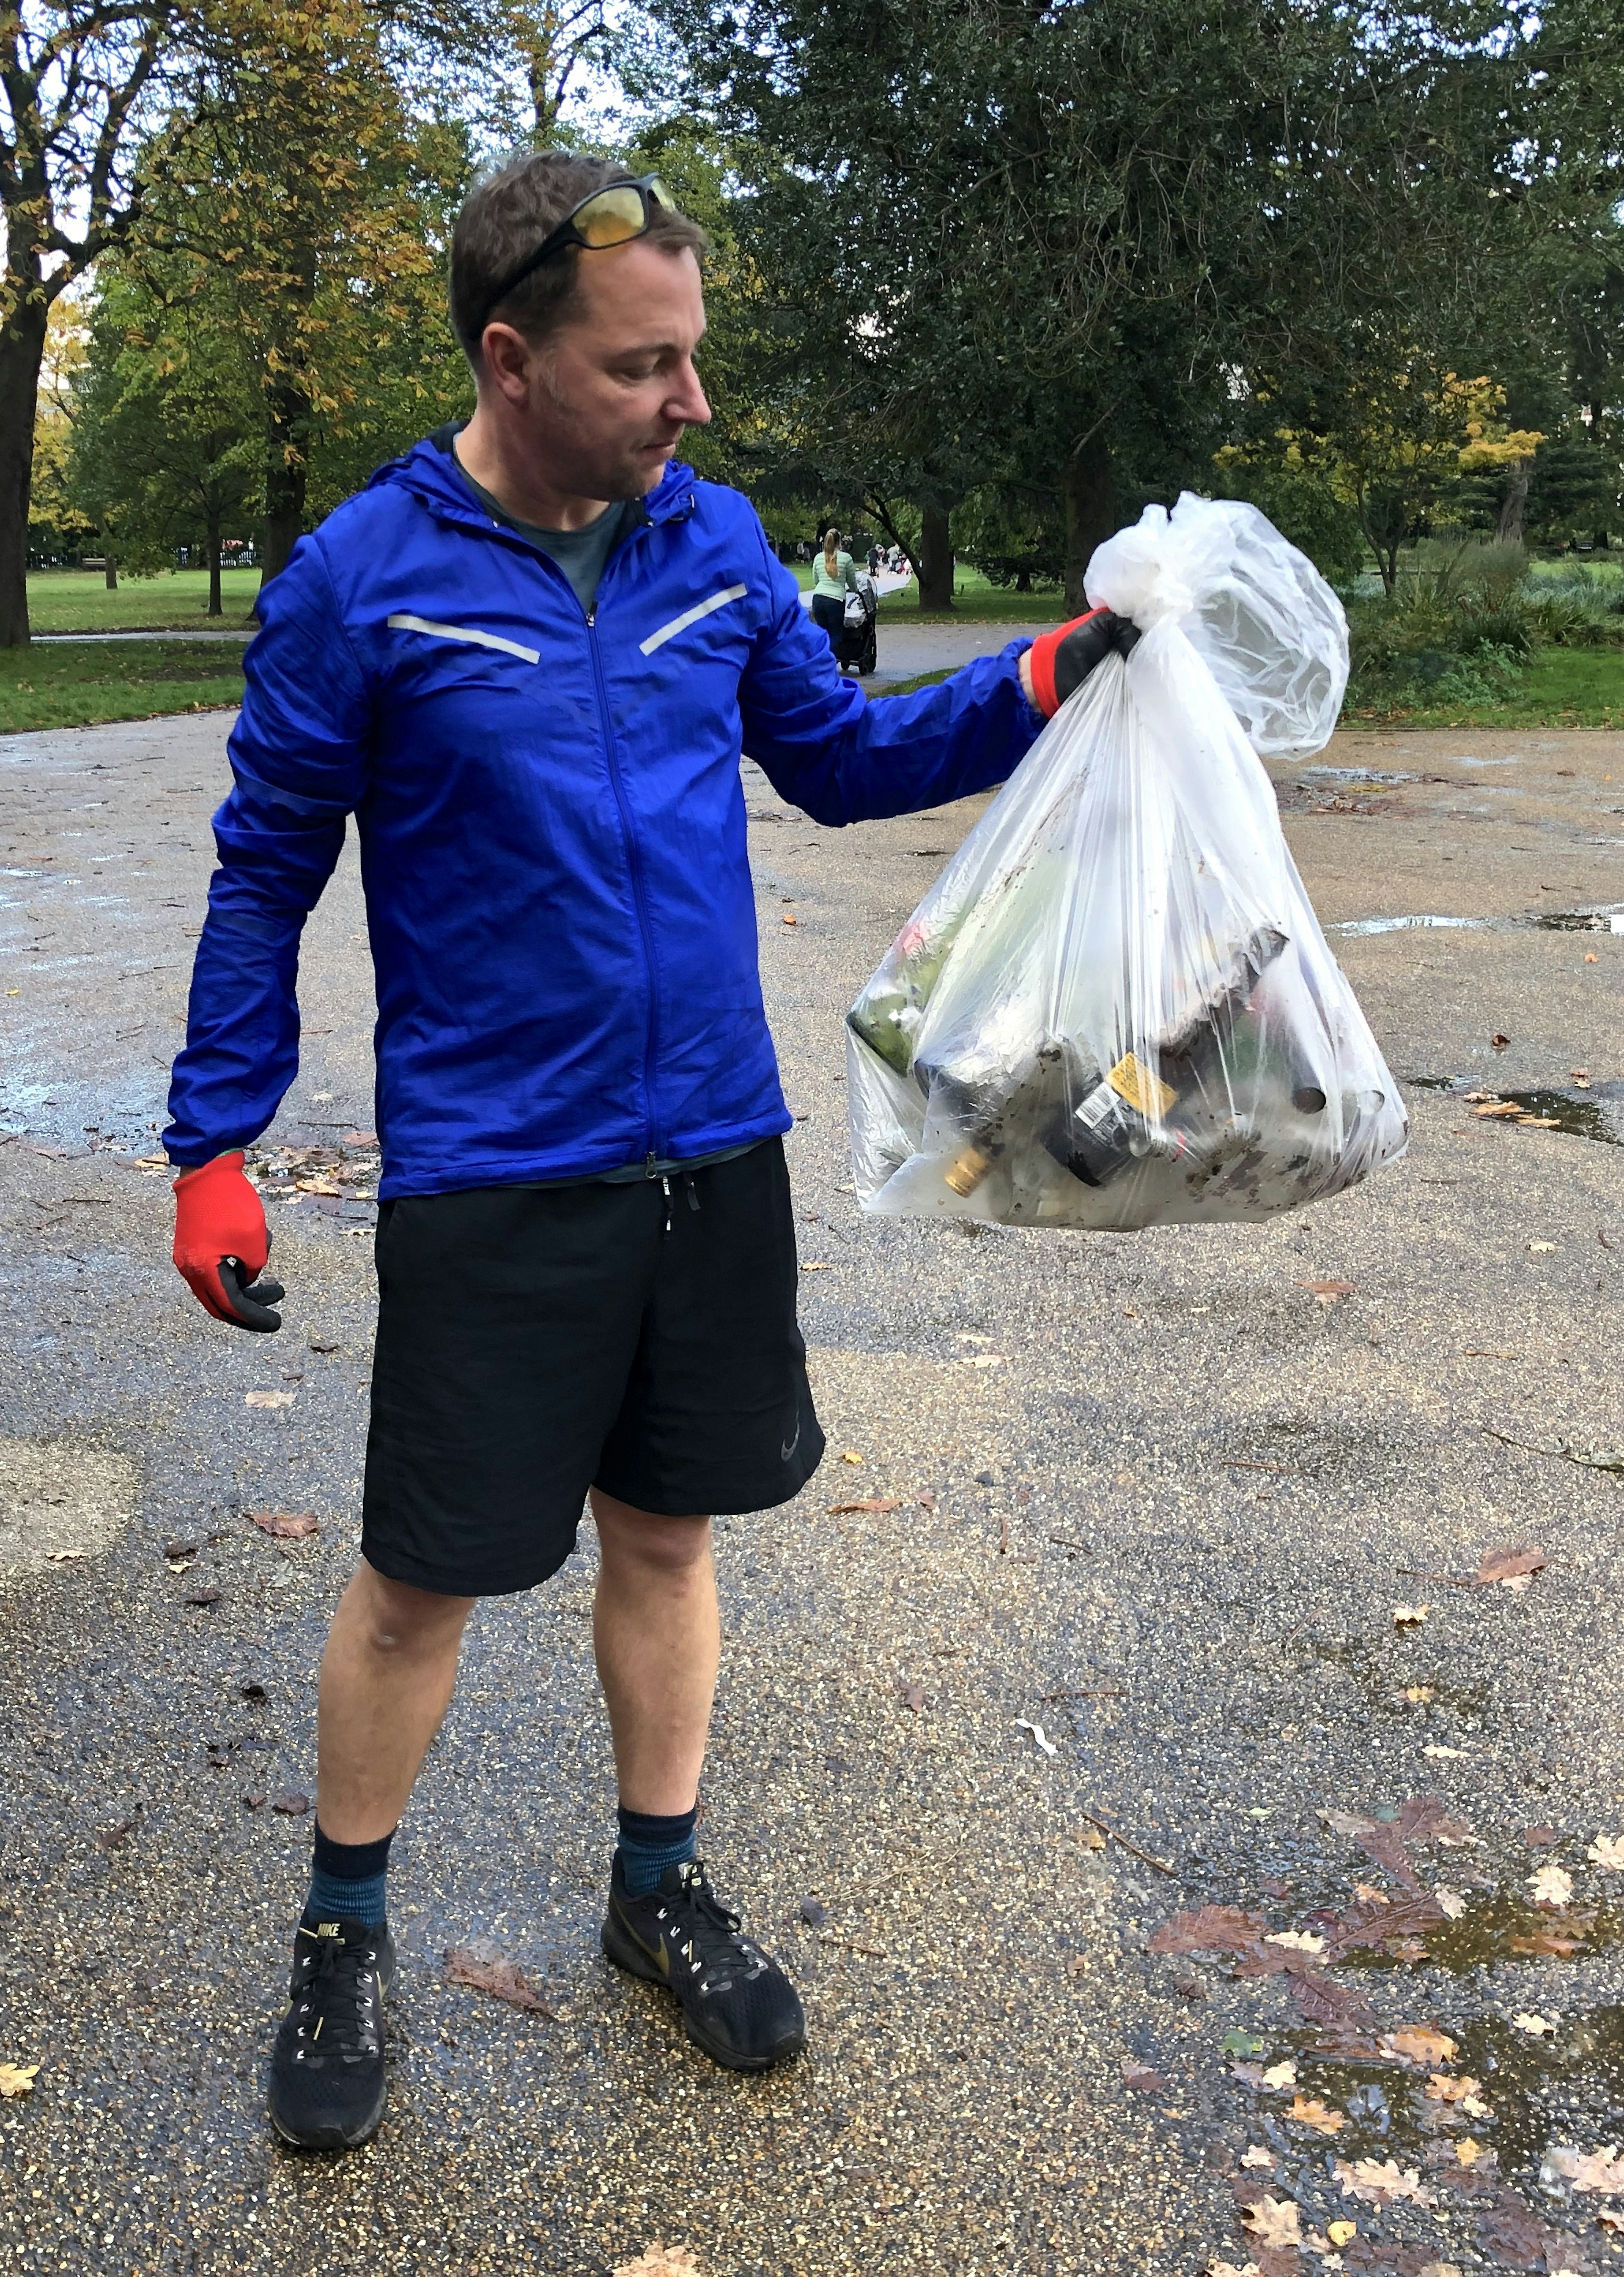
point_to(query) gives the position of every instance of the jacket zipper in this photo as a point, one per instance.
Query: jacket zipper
(639, 895)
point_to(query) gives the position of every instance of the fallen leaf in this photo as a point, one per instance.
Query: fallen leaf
(1340, 2233)
(254, 1803)
(1541, 1838)
(1551, 1886)
(1499, 1042)
(1078, 1965)
(1508, 1569)
(319, 1186)
(815, 1265)
(1308, 2111)
(1591, 956)
(851, 1456)
(1232, 2269)
(1296, 1940)
(1142, 2079)
(1256, 2156)
(1591, 2170)
(1248, 2074)
(1537, 2027)
(788, 920)
(1444, 1755)
(1608, 1850)
(114, 1838)
(1322, 2001)
(268, 1398)
(202, 1598)
(16, 2079)
(1039, 1737)
(1419, 2044)
(1329, 1292)
(1271, 2220)
(1410, 1617)
(912, 1696)
(1209, 1929)
(1452, 1903)
(66, 1556)
(1501, 1107)
(1465, 2091)
(1607, 2218)
(291, 1805)
(1517, 2240)
(1541, 1248)
(1468, 2151)
(503, 1980)
(286, 1525)
(660, 2261)
(875, 1502)
(1552, 1943)
(1381, 2183)
(1091, 1839)
(1280, 2075)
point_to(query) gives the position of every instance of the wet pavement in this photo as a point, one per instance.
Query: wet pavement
(1178, 1499)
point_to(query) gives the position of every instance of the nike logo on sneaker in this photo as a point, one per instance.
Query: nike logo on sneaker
(656, 1951)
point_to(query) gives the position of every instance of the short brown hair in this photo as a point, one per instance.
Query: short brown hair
(507, 215)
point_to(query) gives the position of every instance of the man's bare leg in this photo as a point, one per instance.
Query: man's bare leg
(386, 1679)
(657, 1636)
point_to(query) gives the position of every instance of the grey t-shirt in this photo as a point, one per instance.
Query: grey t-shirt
(580, 553)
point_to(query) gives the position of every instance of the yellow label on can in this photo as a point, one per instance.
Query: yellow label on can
(966, 1172)
(1146, 1094)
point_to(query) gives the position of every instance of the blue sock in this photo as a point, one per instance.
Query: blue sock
(649, 1844)
(348, 1881)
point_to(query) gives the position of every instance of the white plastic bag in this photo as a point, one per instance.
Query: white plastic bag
(1115, 1007)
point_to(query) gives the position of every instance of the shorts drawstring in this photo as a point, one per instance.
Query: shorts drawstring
(693, 1196)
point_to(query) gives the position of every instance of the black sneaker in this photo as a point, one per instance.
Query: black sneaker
(327, 2073)
(737, 2004)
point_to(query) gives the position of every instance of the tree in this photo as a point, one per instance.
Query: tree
(296, 180)
(77, 81)
(56, 525)
(166, 439)
(1006, 244)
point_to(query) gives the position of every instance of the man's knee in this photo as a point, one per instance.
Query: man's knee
(643, 1539)
(398, 1620)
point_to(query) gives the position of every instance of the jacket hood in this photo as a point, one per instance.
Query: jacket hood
(429, 471)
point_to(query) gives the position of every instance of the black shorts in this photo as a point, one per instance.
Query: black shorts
(533, 1341)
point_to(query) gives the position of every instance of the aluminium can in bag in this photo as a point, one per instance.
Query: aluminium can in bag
(1116, 1007)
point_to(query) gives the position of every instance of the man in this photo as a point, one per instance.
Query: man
(526, 657)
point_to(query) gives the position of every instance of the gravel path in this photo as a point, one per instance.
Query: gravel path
(1153, 1493)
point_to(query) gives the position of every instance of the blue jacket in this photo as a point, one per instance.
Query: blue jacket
(552, 826)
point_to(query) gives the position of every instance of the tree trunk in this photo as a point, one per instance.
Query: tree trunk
(1508, 529)
(1090, 493)
(1023, 579)
(287, 471)
(109, 566)
(22, 348)
(215, 605)
(936, 560)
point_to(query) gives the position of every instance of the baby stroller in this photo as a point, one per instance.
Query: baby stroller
(859, 649)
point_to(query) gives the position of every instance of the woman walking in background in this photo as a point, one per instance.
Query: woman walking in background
(835, 577)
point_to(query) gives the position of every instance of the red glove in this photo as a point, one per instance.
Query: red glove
(1062, 660)
(221, 1244)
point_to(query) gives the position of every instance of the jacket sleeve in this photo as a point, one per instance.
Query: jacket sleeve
(824, 747)
(298, 756)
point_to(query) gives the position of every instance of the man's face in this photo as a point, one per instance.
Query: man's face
(607, 398)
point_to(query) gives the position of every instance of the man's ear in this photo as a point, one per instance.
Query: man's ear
(507, 357)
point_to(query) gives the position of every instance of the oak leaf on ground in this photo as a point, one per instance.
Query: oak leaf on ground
(16, 2079)
(1272, 2221)
(1308, 2111)
(503, 1980)
(1382, 2182)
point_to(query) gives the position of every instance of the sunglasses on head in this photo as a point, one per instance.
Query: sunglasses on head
(612, 216)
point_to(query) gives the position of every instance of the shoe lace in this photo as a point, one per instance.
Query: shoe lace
(335, 2005)
(705, 1936)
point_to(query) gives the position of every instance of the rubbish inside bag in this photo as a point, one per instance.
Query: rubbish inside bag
(1116, 1007)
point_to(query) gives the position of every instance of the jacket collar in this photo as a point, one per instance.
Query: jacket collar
(429, 473)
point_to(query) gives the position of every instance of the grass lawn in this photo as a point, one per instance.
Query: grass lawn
(1559, 688)
(975, 602)
(75, 686)
(78, 601)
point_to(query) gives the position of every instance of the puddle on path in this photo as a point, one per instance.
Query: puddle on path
(1382, 1691)
(1597, 1113)
(1603, 921)
(1361, 775)
(1404, 925)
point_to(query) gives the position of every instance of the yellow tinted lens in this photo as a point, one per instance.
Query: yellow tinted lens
(658, 191)
(611, 217)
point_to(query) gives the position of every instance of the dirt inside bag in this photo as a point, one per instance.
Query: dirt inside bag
(1115, 1007)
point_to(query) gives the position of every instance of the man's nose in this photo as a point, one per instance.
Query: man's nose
(686, 400)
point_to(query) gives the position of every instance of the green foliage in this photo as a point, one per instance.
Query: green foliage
(1464, 626)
